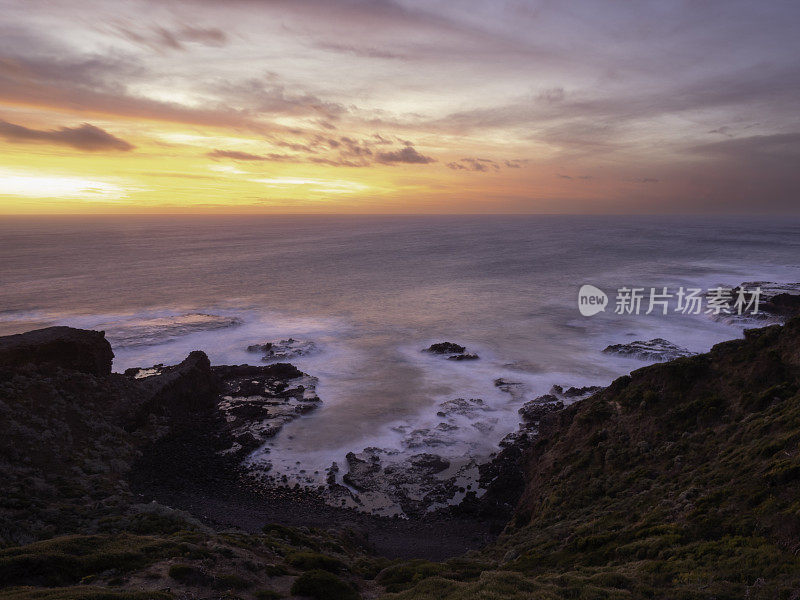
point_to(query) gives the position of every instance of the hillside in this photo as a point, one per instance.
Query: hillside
(681, 480)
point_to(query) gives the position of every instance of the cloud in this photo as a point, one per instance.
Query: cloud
(84, 137)
(474, 164)
(360, 51)
(725, 130)
(484, 165)
(574, 177)
(246, 156)
(516, 163)
(407, 154)
(776, 148)
(163, 38)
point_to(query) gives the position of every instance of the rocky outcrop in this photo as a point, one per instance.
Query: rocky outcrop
(784, 304)
(777, 302)
(446, 348)
(257, 401)
(657, 349)
(451, 350)
(74, 349)
(177, 392)
(412, 486)
(283, 349)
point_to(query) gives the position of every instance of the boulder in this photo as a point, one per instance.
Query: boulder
(446, 348)
(74, 349)
(188, 389)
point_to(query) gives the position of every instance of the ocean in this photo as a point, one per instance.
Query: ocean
(371, 293)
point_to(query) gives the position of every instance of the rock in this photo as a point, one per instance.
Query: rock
(362, 470)
(534, 411)
(284, 349)
(331, 472)
(463, 357)
(74, 349)
(657, 349)
(455, 351)
(410, 486)
(580, 392)
(516, 389)
(446, 348)
(777, 302)
(783, 304)
(257, 401)
(186, 389)
(432, 463)
(426, 437)
(462, 407)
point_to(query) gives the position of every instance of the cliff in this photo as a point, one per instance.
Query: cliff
(679, 481)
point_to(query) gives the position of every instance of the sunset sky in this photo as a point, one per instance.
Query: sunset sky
(399, 106)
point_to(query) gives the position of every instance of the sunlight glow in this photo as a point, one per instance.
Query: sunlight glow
(329, 186)
(37, 185)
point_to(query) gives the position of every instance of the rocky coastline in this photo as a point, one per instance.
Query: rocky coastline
(136, 483)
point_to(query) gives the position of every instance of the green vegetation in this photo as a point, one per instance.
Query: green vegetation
(70, 559)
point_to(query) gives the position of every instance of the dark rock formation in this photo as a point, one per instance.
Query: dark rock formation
(409, 486)
(257, 402)
(463, 357)
(784, 304)
(455, 351)
(656, 349)
(445, 348)
(533, 412)
(283, 349)
(180, 391)
(74, 349)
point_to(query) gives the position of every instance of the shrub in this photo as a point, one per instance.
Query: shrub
(323, 585)
(307, 561)
(231, 581)
(404, 575)
(69, 559)
(182, 572)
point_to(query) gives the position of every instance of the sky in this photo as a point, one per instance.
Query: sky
(399, 106)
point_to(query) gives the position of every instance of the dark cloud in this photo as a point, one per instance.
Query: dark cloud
(408, 154)
(84, 137)
(484, 165)
(474, 164)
